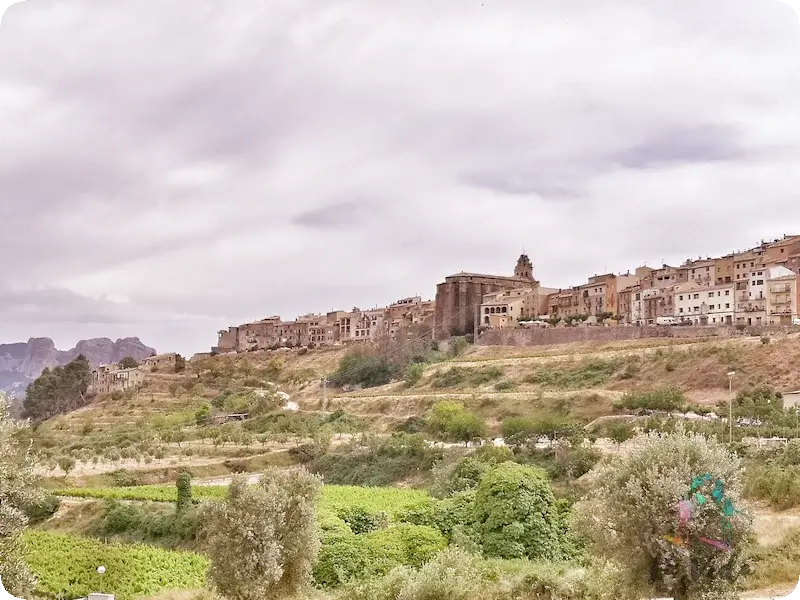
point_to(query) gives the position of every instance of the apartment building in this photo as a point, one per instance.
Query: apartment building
(782, 296)
(701, 304)
(564, 303)
(750, 273)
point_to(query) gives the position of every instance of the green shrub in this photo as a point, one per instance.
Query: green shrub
(184, 488)
(777, 484)
(451, 421)
(486, 375)
(357, 368)
(667, 399)
(414, 373)
(360, 520)
(449, 378)
(446, 516)
(515, 514)
(42, 508)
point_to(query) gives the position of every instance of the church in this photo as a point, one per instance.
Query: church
(459, 297)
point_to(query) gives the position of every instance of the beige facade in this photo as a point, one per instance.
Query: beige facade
(507, 307)
(782, 296)
(705, 304)
(109, 378)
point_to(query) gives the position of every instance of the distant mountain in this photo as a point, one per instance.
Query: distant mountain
(22, 362)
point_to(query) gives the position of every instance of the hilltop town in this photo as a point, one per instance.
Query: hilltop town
(755, 287)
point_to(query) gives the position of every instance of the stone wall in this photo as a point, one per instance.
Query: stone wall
(565, 335)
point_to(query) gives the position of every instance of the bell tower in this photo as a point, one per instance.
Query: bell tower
(524, 268)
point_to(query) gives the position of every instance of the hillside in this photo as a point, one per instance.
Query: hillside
(581, 381)
(21, 363)
(130, 447)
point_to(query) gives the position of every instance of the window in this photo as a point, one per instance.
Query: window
(680, 297)
(680, 310)
(760, 282)
(710, 294)
(727, 305)
(697, 296)
(727, 292)
(760, 273)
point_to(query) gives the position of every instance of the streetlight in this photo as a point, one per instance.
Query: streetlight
(730, 406)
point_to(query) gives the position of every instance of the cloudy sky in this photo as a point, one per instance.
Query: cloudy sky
(169, 167)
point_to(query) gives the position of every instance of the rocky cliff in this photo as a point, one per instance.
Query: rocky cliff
(23, 362)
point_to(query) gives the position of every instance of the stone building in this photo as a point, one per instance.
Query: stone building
(110, 378)
(160, 361)
(507, 308)
(459, 297)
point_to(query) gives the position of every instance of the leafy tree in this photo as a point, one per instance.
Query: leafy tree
(263, 540)
(360, 368)
(16, 493)
(128, 362)
(516, 514)
(632, 515)
(66, 464)
(620, 432)
(202, 414)
(453, 422)
(58, 391)
(414, 373)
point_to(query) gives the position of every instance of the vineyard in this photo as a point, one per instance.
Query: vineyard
(66, 566)
(334, 497)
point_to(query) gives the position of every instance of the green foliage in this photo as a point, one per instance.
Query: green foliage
(184, 492)
(667, 399)
(520, 431)
(777, 484)
(66, 464)
(202, 414)
(414, 373)
(347, 557)
(632, 506)
(451, 421)
(262, 540)
(58, 391)
(620, 431)
(66, 566)
(458, 345)
(41, 508)
(446, 516)
(448, 378)
(357, 368)
(407, 544)
(384, 462)
(586, 374)
(360, 520)
(453, 575)
(516, 515)
(17, 493)
(334, 497)
(128, 362)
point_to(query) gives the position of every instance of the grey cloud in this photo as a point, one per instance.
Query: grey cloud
(341, 215)
(697, 144)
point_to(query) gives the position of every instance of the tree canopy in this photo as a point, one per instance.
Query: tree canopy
(16, 492)
(59, 390)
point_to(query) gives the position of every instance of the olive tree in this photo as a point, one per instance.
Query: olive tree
(262, 539)
(16, 493)
(670, 512)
